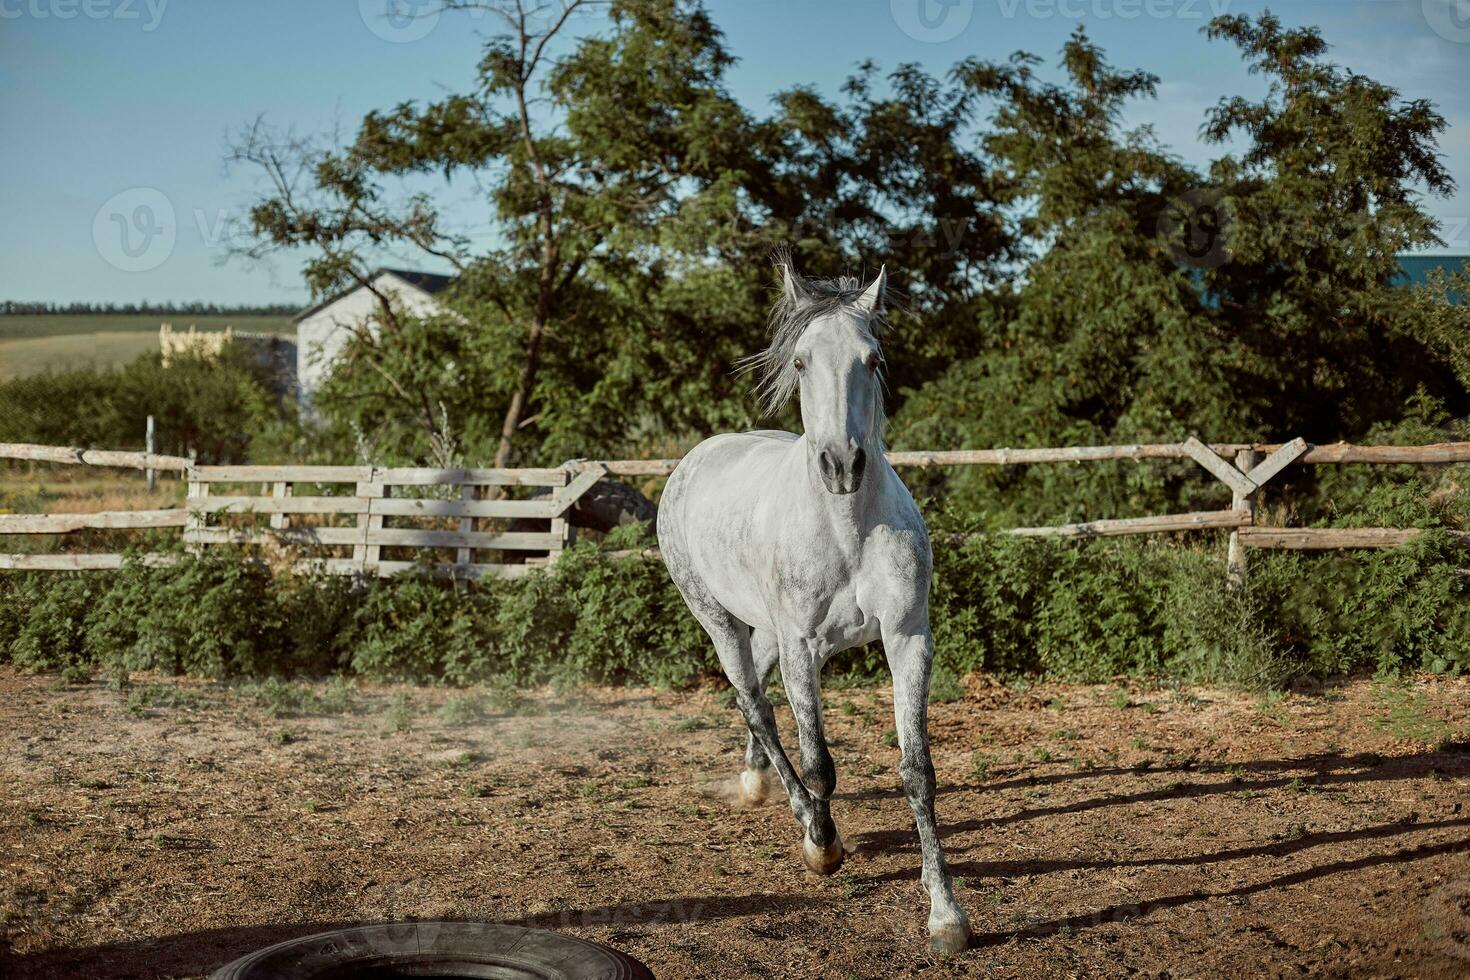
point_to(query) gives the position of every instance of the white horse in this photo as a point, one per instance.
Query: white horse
(792, 548)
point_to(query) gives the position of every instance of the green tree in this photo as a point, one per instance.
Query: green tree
(1253, 302)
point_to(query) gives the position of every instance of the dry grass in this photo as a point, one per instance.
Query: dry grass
(39, 488)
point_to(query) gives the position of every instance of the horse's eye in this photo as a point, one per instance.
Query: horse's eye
(873, 361)
(799, 364)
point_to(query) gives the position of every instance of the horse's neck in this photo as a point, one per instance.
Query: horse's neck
(848, 516)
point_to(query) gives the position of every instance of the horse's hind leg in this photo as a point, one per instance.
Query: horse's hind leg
(732, 641)
(801, 671)
(755, 780)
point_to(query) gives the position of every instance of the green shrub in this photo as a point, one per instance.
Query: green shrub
(630, 623)
(45, 627)
(414, 629)
(1013, 606)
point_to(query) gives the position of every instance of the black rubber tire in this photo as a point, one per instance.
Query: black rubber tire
(435, 949)
(611, 503)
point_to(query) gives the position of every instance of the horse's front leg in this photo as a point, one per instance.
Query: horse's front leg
(910, 653)
(801, 672)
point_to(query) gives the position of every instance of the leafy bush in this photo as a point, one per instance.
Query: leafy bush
(1014, 606)
(206, 405)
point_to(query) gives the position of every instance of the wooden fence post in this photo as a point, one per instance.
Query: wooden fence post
(1235, 561)
(465, 557)
(150, 445)
(366, 555)
(280, 491)
(197, 519)
(559, 528)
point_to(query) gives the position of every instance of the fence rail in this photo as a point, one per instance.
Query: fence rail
(475, 511)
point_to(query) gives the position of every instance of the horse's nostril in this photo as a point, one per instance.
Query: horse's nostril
(828, 464)
(859, 460)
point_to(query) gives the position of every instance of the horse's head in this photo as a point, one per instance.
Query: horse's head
(824, 347)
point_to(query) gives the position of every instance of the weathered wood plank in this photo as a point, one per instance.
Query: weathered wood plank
(1283, 456)
(466, 555)
(281, 505)
(64, 523)
(1222, 471)
(508, 540)
(92, 457)
(280, 491)
(1235, 560)
(198, 520)
(1342, 452)
(363, 554)
(385, 569)
(639, 467)
(300, 536)
(585, 480)
(1447, 452)
(284, 474)
(60, 563)
(418, 476)
(408, 507)
(1138, 525)
(1326, 538)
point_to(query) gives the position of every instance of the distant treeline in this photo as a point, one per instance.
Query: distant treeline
(149, 309)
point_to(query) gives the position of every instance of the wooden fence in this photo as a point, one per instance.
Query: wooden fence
(360, 520)
(352, 515)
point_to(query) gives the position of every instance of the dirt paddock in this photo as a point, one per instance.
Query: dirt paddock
(166, 828)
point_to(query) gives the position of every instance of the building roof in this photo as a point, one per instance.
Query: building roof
(427, 282)
(1417, 267)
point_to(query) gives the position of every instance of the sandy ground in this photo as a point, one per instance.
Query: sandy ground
(163, 830)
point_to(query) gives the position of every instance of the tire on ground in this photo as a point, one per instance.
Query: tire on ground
(440, 949)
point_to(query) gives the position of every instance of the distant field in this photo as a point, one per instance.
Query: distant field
(32, 343)
(14, 326)
(35, 354)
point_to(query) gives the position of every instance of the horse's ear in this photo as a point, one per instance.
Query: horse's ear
(793, 287)
(871, 301)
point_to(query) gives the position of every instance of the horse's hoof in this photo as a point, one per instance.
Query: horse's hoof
(754, 787)
(822, 860)
(950, 937)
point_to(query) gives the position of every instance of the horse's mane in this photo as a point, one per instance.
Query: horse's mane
(797, 306)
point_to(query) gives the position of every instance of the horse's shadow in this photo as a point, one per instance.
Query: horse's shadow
(1319, 772)
(1322, 771)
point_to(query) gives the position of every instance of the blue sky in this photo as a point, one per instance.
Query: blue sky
(118, 110)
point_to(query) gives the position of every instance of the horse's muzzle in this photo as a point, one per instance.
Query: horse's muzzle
(842, 469)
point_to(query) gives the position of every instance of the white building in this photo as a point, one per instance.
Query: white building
(324, 329)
